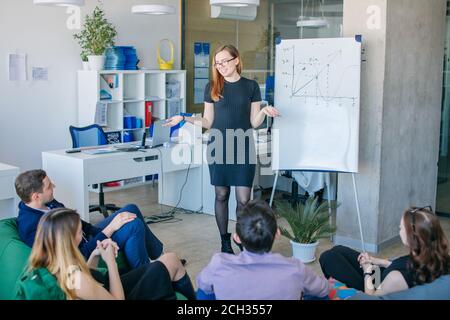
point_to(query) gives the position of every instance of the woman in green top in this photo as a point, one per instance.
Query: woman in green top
(56, 249)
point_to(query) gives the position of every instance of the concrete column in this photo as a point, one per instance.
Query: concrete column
(401, 92)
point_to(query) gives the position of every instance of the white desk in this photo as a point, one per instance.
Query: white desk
(73, 173)
(8, 197)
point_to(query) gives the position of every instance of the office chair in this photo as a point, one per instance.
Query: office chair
(294, 198)
(92, 135)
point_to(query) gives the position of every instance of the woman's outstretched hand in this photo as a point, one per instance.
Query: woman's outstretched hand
(173, 121)
(271, 111)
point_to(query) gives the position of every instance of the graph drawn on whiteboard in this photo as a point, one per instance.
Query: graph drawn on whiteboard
(307, 77)
(317, 90)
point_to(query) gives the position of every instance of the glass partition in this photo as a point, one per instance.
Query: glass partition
(254, 35)
(443, 182)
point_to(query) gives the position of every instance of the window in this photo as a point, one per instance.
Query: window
(275, 19)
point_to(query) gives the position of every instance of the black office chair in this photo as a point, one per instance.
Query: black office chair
(92, 135)
(295, 198)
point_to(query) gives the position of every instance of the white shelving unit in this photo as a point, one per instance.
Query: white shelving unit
(129, 91)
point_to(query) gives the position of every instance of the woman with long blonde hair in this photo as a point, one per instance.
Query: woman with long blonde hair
(56, 249)
(232, 109)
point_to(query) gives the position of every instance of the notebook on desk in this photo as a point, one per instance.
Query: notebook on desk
(161, 134)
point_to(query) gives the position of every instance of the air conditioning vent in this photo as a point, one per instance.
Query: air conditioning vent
(234, 13)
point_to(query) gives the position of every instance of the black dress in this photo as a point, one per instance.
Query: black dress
(232, 163)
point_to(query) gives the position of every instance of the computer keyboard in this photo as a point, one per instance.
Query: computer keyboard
(128, 149)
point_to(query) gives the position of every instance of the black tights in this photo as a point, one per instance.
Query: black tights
(221, 205)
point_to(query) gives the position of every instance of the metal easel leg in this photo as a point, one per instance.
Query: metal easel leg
(274, 187)
(330, 213)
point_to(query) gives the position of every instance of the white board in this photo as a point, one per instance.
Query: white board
(317, 90)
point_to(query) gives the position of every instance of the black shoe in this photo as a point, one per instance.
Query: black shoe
(239, 245)
(183, 262)
(226, 243)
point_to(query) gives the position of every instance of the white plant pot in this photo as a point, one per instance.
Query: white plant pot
(96, 62)
(85, 65)
(304, 252)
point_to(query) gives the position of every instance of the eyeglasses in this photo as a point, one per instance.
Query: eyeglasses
(429, 208)
(223, 63)
(413, 216)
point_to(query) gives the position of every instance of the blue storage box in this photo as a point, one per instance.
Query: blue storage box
(129, 122)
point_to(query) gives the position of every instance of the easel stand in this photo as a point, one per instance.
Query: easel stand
(359, 213)
(274, 187)
(328, 182)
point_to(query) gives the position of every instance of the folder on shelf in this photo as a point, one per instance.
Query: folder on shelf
(173, 108)
(148, 113)
(101, 114)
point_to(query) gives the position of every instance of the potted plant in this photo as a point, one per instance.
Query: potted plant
(309, 223)
(96, 35)
(84, 59)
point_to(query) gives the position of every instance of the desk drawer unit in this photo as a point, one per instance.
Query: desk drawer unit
(116, 169)
(7, 187)
(8, 198)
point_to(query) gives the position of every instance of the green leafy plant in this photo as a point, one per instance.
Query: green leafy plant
(84, 55)
(96, 35)
(308, 222)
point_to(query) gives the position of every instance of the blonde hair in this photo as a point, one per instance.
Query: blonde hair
(55, 249)
(218, 80)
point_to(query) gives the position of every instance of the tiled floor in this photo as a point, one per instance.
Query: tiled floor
(196, 237)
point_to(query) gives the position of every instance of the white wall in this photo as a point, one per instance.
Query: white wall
(35, 116)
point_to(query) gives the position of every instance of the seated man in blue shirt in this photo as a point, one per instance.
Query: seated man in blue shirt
(126, 226)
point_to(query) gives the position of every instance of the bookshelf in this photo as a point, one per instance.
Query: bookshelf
(127, 94)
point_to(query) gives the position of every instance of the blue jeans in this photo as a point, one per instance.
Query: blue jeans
(134, 238)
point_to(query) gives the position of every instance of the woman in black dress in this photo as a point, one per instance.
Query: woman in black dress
(232, 110)
(428, 258)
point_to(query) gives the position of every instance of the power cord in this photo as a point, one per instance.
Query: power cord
(170, 215)
(162, 216)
